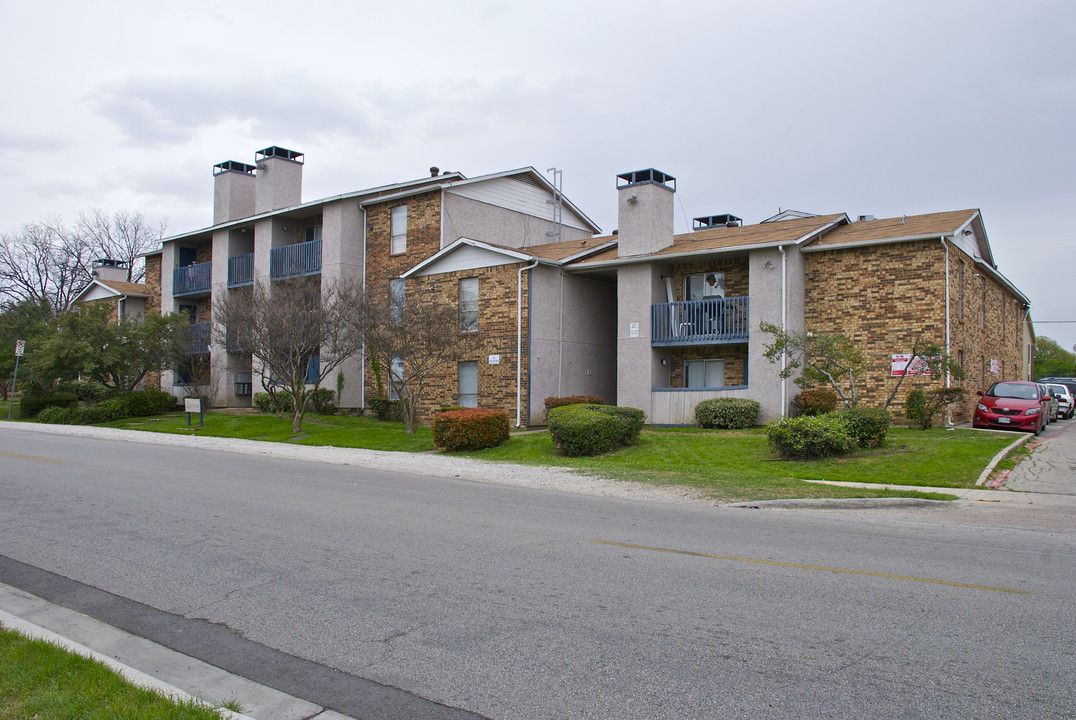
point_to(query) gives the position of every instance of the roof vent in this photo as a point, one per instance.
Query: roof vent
(649, 175)
(278, 152)
(865, 218)
(714, 221)
(434, 170)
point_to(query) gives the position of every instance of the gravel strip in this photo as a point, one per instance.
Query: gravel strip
(435, 464)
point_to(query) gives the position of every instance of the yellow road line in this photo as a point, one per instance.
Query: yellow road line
(809, 567)
(31, 457)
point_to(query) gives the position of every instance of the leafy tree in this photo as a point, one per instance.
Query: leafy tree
(829, 359)
(85, 344)
(1052, 360)
(412, 342)
(23, 320)
(285, 326)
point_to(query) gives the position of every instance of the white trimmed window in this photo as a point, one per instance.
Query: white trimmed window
(468, 384)
(704, 373)
(396, 373)
(704, 285)
(469, 305)
(399, 230)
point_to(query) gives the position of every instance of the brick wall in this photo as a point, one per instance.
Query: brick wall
(153, 284)
(497, 288)
(884, 297)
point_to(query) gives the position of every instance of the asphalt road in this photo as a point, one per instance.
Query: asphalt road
(518, 603)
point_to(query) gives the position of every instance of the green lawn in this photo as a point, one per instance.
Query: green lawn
(738, 465)
(730, 465)
(42, 681)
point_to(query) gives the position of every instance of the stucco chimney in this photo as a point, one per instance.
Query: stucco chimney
(233, 191)
(108, 269)
(279, 179)
(644, 212)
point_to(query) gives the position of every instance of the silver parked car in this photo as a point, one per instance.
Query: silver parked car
(1066, 404)
(1052, 412)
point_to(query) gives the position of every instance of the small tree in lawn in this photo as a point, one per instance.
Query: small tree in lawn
(929, 358)
(424, 335)
(285, 326)
(829, 359)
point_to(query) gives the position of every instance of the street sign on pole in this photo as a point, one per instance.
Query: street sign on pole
(20, 346)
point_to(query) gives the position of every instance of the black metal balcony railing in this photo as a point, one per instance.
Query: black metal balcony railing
(711, 321)
(200, 335)
(241, 270)
(232, 342)
(192, 279)
(295, 260)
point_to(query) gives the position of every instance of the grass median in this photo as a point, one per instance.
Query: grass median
(730, 465)
(42, 681)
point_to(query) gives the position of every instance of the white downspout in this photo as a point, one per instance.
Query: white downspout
(784, 308)
(948, 377)
(362, 350)
(519, 342)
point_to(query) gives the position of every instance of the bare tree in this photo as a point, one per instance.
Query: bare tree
(124, 235)
(412, 342)
(286, 324)
(827, 359)
(44, 262)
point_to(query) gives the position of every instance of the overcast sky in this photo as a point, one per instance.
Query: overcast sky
(884, 108)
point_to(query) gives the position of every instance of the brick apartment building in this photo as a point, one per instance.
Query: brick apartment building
(643, 317)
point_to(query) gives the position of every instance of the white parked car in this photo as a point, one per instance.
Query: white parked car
(1066, 404)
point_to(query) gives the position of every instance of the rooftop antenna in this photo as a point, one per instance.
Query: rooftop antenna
(557, 203)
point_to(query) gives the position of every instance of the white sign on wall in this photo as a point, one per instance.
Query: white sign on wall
(494, 359)
(633, 330)
(899, 365)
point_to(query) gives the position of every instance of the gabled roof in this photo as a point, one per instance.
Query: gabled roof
(113, 288)
(478, 254)
(714, 241)
(906, 228)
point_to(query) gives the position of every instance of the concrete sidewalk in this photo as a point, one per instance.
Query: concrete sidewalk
(148, 664)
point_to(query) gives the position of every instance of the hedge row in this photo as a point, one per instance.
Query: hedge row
(593, 429)
(322, 401)
(136, 404)
(470, 428)
(811, 437)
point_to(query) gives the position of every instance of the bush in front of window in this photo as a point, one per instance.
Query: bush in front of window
(593, 429)
(810, 437)
(470, 429)
(553, 402)
(727, 413)
(816, 401)
(867, 425)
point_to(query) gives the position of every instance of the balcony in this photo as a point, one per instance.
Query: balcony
(192, 279)
(295, 260)
(241, 270)
(713, 321)
(200, 335)
(232, 343)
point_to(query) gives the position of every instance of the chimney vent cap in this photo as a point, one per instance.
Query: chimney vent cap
(713, 221)
(278, 152)
(233, 166)
(641, 177)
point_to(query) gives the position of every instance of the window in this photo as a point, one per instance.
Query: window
(469, 305)
(960, 291)
(191, 312)
(1004, 302)
(313, 369)
(704, 285)
(468, 384)
(982, 305)
(187, 256)
(399, 230)
(704, 373)
(397, 300)
(396, 374)
(312, 233)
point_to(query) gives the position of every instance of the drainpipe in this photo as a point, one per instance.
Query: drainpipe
(948, 378)
(784, 307)
(519, 342)
(362, 350)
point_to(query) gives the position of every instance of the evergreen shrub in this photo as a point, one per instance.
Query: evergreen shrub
(554, 402)
(867, 425)
(729, 413)
(816, 401)
(810, 437)
(31, 405)
(470, 428)
(593, 429)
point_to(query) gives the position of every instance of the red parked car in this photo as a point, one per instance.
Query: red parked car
(1013, 404)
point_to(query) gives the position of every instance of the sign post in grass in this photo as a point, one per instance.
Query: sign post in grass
(20, 348)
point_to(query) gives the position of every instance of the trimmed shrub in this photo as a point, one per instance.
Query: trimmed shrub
(810, 437)
(144, 402)
(278, 404)
(816, 401)
(915, 405)
(324, 401)
(56, 415)
(867, 425)
(31, 405)
(449, 408)
(85, 390)
(555, 402)
(593, 429)
(382, 408)
(730, 413)
(470, 428)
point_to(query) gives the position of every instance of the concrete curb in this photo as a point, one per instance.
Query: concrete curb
(149, 665)
(985, 475)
